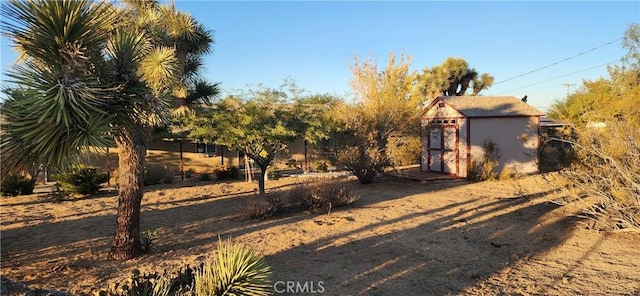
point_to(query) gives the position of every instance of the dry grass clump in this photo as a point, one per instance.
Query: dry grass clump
(264, 207)
(312, 195)
(484, 169)
(320, 195)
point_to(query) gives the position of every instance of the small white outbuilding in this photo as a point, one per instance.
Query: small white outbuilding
(456, 130)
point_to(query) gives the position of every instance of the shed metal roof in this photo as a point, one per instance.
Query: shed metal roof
(490, 106)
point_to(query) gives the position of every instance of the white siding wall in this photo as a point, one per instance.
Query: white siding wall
(517, 139)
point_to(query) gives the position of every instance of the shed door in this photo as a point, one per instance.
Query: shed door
(442, 149)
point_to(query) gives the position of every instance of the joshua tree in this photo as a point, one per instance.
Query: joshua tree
(91, 74)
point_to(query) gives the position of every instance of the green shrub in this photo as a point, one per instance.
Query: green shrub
(149, 239)
(321, 166)
(227, 172)
(236, 270)
(205, 177)
(13, 185)
(81, 180)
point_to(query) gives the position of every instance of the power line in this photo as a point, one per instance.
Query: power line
(554, 78)
(558, 62)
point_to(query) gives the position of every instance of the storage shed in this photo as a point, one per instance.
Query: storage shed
(456, 130)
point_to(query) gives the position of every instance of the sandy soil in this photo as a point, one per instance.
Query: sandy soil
(401, 237)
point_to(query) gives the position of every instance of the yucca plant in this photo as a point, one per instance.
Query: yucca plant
(236, 270)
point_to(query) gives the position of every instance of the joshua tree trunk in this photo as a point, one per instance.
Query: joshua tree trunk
(126, 241)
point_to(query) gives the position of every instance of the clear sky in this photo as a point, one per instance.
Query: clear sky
(314, 42)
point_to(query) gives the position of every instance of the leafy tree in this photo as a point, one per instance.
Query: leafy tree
(263, 125)
(452, 78)
(91, 74)
(387, 106)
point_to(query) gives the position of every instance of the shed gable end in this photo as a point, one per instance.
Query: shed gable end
(440, 109)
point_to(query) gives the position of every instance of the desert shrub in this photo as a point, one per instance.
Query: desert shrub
(189, 173)
(147, 284)
(57, 194)
(321, 166)
(158, 174)
(81, 180)
(149, 240)
(604, 113)
(404, 151)
(204, 177)
(227, 172)
(272, 174)
(556, 151)
(264, 207)
(484, 169)
(312, 195)
(320, 195)
(607, 169)
(152, 177)
(155, 284)
(364, 161)
(508, 173)
(236, 270)
(13, 185)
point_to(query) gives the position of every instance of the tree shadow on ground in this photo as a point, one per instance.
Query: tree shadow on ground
(191, 226)
(441, 251)
(433, 250)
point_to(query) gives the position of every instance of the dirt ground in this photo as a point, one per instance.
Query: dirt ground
(401, 237)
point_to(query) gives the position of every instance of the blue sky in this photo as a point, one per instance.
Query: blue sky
(314, 42)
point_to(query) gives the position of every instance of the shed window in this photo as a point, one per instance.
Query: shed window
(440, 105)
(453, 121)
(446, 121)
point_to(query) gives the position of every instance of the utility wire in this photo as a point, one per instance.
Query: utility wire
(558, 62)
(561, 76)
